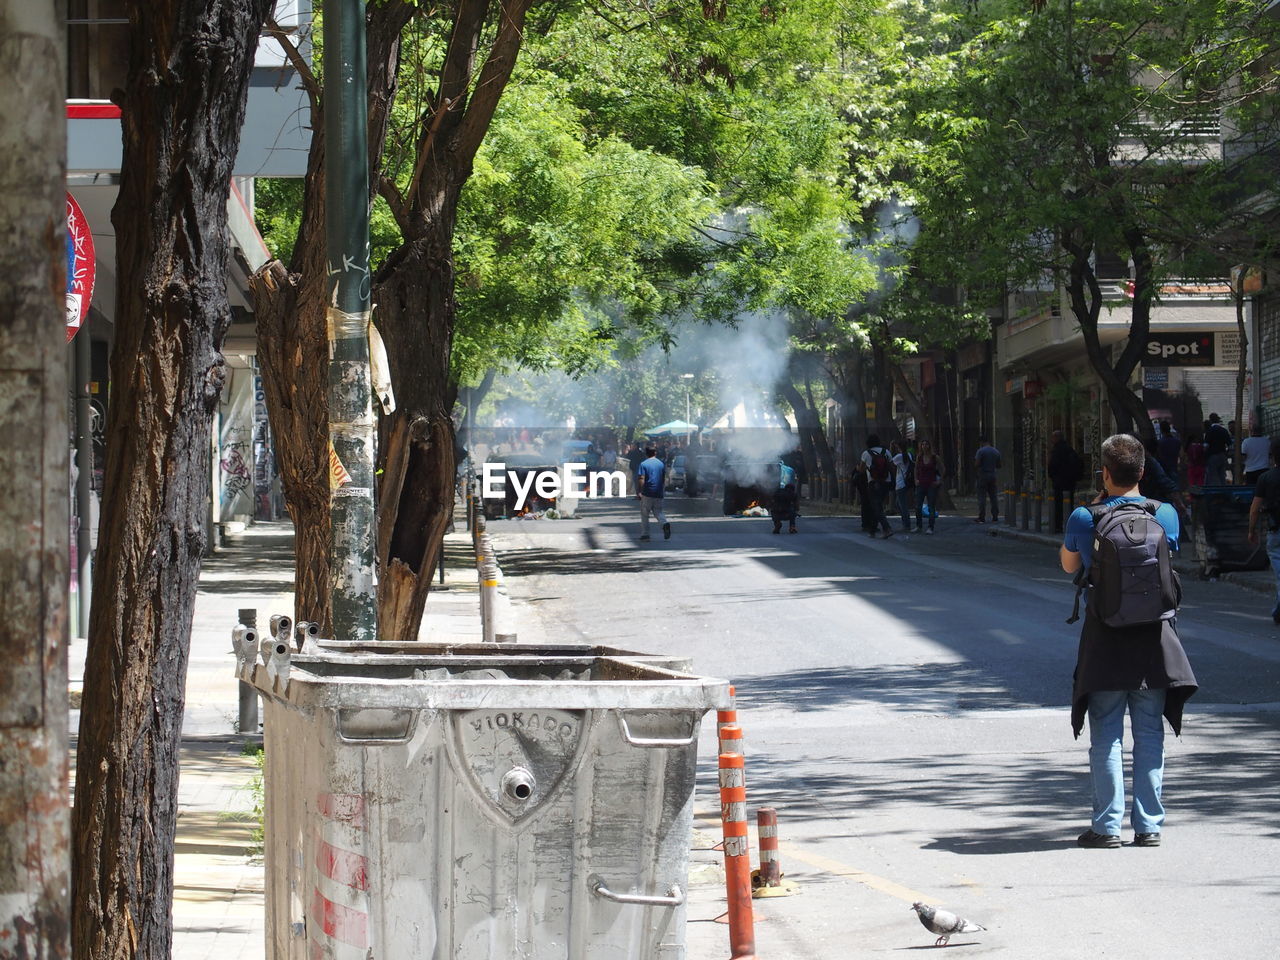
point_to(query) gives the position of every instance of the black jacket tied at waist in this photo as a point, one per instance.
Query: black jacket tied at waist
(1144, 657)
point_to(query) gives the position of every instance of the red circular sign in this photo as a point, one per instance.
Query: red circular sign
(81, 267)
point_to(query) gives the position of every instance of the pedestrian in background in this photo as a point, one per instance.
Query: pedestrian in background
(862, 484)
(903, 482)
(786, 499)
(879, 464)
(1168, 449)
(1217, 440)
(1140, 668)
(987, 460)
(651, 479)
(1257, 454)
(1064, 469)
(1266, 505)
(928, 481)
(1195, 460)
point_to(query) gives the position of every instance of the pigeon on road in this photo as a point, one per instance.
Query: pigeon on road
(945, 924)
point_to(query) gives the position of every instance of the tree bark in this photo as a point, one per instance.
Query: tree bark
(806, 425)
(34, 495)
(183, 108)
(416, 442)
(414, 290)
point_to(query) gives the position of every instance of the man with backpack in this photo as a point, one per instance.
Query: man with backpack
(1266, 502)
(1130, 658)
(879, 465)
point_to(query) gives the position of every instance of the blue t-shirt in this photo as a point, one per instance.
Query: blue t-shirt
(1079, 535)
(650, 476)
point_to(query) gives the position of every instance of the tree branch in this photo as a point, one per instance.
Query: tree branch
(309, 82)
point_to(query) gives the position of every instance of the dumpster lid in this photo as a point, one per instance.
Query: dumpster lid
(498, 679)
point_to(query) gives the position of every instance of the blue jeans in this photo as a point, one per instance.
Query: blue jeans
(903, 498)
(1273, 551)
(1106, 736)
(926, 495)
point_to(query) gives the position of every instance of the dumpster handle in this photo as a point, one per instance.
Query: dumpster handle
(653, 741)
(674, 896)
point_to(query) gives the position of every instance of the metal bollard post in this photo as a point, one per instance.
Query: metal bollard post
(1011, 515)
(1039, 513)
(1026, 510)
(737, 856)
(248, 695)
(488, 591)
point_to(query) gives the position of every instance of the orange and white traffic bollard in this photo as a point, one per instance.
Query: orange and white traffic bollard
(768, 880)
(726, 717)
(767, 831)
(737, 856)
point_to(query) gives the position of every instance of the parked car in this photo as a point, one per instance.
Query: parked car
(677, 474)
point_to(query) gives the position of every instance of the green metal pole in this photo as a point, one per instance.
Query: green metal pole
(351, 423)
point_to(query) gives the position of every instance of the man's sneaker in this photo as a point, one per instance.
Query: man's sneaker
(1097, 841)
(666, 531)
(1146, 839)
(929, 531)
(979, 519)
(644, 538)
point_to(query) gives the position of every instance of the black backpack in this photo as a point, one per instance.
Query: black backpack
(909, 464)
(1131, 580)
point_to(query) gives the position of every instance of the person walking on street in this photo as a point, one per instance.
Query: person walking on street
(1064, 469)
(651, 477)
(1217, 440)
(987, 460)
(1257, 454)
(928, 481)
(1130, 658)
(786, 499)
(1168, 449)
(1266, 506)
(879, 464)
(903, 483)
(1195, 460)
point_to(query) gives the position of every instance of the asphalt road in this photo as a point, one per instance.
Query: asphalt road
(905, 704)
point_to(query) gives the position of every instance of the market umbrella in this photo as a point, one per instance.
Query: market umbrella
(676, 428)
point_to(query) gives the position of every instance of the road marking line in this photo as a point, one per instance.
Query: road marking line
(836, 868)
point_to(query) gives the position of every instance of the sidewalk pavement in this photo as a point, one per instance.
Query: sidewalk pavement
(218, 910)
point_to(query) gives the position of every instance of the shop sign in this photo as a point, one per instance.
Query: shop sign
(1014, 384)
(1180, 350)
(1228, 349)
(81, 267)
(870, 409)
(1032, 389)
(1155, 378)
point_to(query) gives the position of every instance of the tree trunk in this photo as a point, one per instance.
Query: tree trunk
(416, 310)
(34, 495)
(806, 425)
(293, 353)
(184, 102)
(826, 460)
(1086, 301)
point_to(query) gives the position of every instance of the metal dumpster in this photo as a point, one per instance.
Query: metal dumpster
(488, 805)
(1221, 530)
